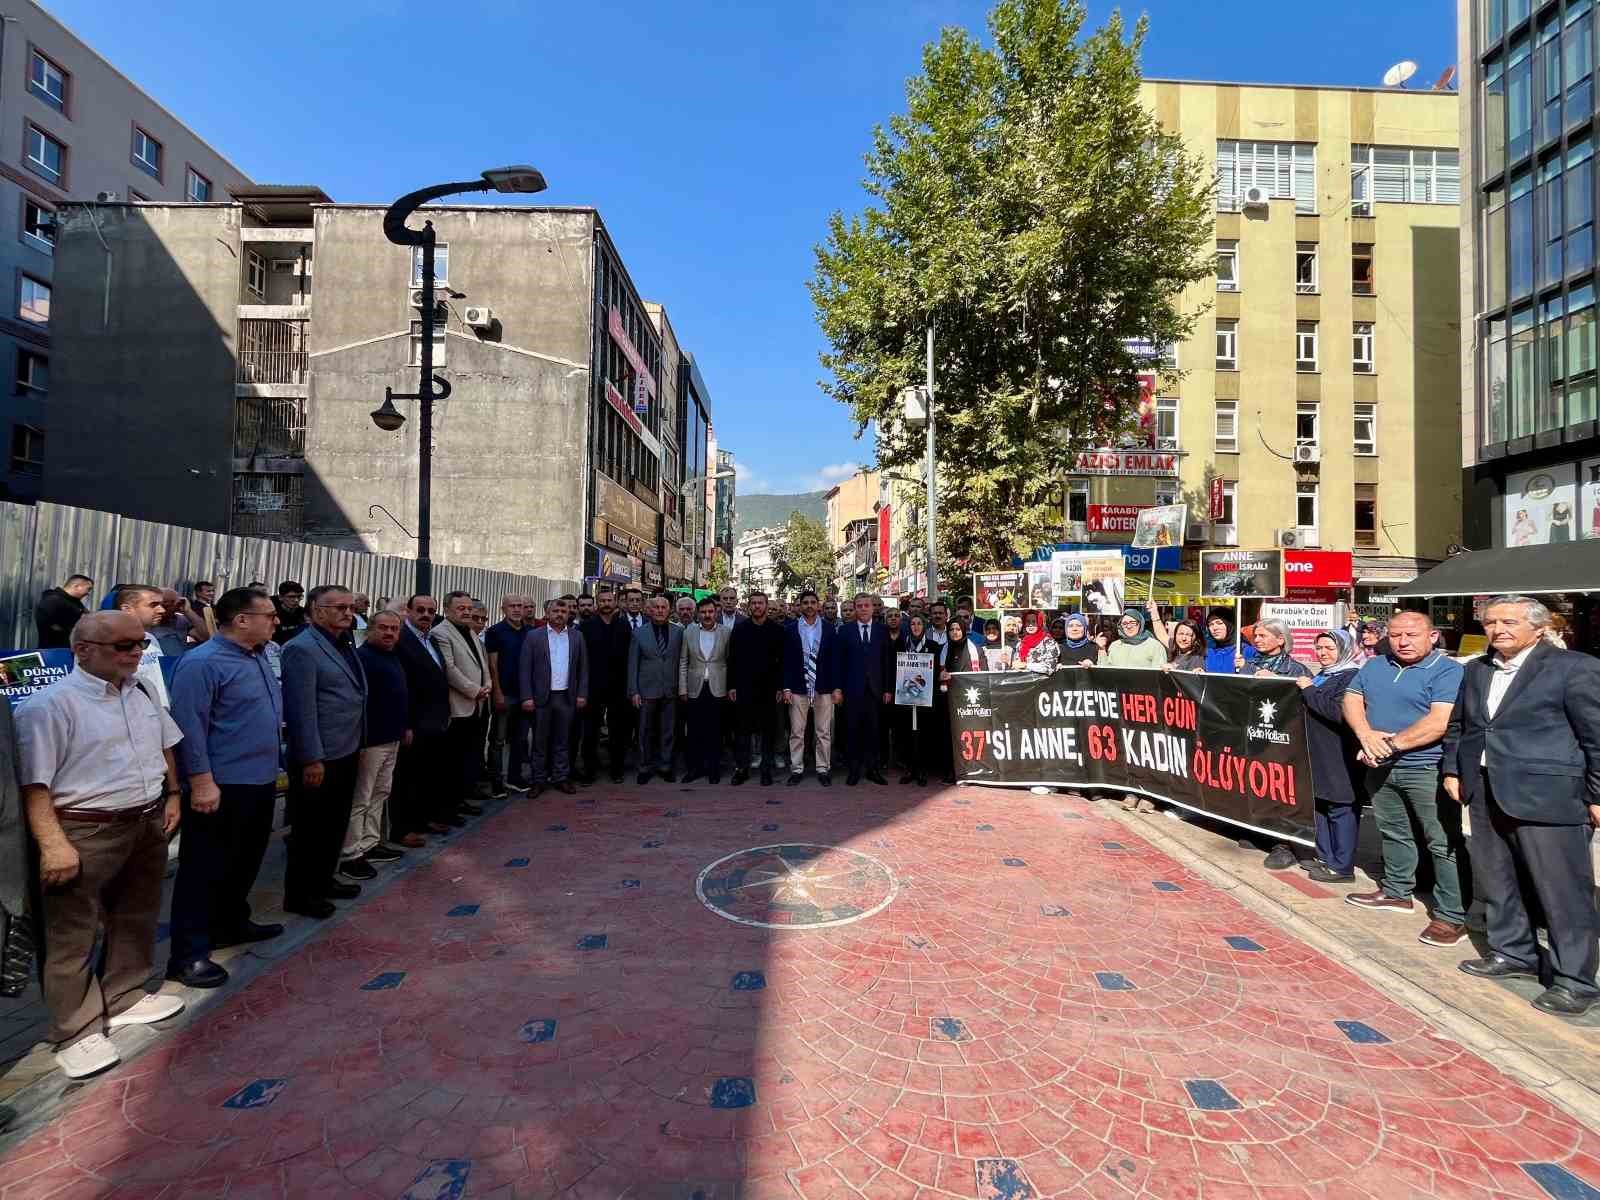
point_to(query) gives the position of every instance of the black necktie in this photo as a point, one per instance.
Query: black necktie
(661, 639)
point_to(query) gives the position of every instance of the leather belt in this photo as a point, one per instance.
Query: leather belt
(114, 816)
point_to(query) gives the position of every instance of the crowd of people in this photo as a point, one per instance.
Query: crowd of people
(394, 723)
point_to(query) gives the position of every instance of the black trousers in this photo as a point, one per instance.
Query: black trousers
(219, 857)
(418, 784)
(512, 728)
(862, 717)
(758, 718)
(919, 747)
(704, 753)
(619, 718)
(319, 817)
(552, 738)
(465, 738)
(1558, 867)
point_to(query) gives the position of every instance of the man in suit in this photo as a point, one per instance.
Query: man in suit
(810, 649)
(466, 667)
(1523, 751)
(653, 685)
(606, 639)
(324, 713)
(555, 684)
(633, 608)
(421, 798)
(755, 668)
(703, 685)
(864, 678)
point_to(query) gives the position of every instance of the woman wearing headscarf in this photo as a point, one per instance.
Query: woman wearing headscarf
(961, 653)
(994, 646)
(1135, 646)
(1333, 749)
(1078, 649)
(920, 745)
(1038, 650)
(1219, 645)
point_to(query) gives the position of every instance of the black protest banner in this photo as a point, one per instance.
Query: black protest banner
(1233, 747)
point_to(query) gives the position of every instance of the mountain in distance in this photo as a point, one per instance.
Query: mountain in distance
(759, 511)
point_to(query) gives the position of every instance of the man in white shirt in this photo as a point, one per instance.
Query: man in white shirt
(939, 614)
(633, 608)
(728, 616)
(555, 688)
(100, 789)
(808, 674)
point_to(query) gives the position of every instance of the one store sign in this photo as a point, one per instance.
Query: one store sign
(622, 511)
(1317, 570)
(1126, 462)
(635, 359)
(1305, 622)
(1114, 518)
(614, 398)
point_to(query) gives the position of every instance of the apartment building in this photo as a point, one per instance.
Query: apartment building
(846, 506)
(280, 319)
(75, 128)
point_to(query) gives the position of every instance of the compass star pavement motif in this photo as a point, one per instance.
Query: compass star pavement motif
(796, 886)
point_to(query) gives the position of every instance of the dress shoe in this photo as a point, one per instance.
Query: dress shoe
(357, 868)
(740, 774)
(876, 777)
(1279, 858)
(567, 787)
(197, 973)
(668, 777)
(1496, 966)
(1563, 1003)
(437, 827)
(382, 853)
(250, 931)
(342, 891)
(853, 778)
(1326, 874)
(795, 777)
(413, 841)
(1306, 864)
(315, 909)
(1380, 902)
(825, 779)
(536, 791)
(642, 777)
(766, 777)
(472, 810)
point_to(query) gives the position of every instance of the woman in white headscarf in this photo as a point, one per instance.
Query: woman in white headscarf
(1334, 778)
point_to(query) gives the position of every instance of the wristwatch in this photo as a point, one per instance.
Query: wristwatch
(171, 792)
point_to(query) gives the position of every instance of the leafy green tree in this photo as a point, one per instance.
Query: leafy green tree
(1031, 209)
(720, 571)
(803, 556)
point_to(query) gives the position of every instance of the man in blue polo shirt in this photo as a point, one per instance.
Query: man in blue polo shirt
(511, 725)
(1399, 706)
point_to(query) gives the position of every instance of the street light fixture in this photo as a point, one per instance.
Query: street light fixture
(522, 180)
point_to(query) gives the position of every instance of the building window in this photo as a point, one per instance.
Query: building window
(1305, 267)
(1580, 355)
(27, 450)
(1361, 279)
(1361, 348)
(1305, 423)
(1280, 169)
(1166, 422)
(46, 157)
(1227, 345)
(416, 344)
(146, 153)
(1366, 514)
(48, 82)
(1166, 493)
(38, 226)
(1078, 503)
(1225, 532)
(1227, 266)
(1366, 430)
(1305, 346)
(33, 304)
(1578, 207)
(1407, 175)
(196, 187)
(1227, 427)
(441, 264)
(33, 374)
(1305, 504)
(255, 274)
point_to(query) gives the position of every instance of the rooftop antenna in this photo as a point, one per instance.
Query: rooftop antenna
(1446, 78)
(1397, 75)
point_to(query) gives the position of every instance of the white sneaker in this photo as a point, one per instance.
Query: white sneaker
(86, 1057)
(157, 1006)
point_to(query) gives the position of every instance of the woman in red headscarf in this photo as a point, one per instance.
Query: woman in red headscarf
(1038, 650)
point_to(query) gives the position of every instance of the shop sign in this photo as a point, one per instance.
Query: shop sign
(1113, 518)
(1305, 622)
(611, 565)
(652, 575)
(1218, 500)
(1318, 570)
(674, 529)
(1126, 462)
(635, 359)
(622, 511)
(614, 398)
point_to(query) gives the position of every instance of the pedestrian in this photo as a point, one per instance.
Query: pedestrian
(554, 686)
(422, 798)
(479, 620)
(938, 621)
(324, 712)
(683, 612)
(203, 598)
(466, 666)
(892, 620)
(755, 677)
(363, 605)
(808, 682)
(865, 678)
(1274, 652)
(1187, 650)
(143, 602)
(509, 724)
(175, 629)
(58, 610)
(1136, 646)
(606, 639)
(586, 608)
(388, 729)
(633, 608)
(654, 656)
(1221, 653)
(1076, 648)
(728, 614)
(291, 612)
(703, 688)
(1335, 775)
(1399, 706)
(100, 789)
(915, 732)
(229, 706)
(1521, 750)
(1038, 651)
(995, 649)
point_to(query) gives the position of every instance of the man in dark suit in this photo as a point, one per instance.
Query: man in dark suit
(555, 682)
(653, 686)
(755, 669)
(606, 638)
(865, 680)
(1523, 751)
(420, 788)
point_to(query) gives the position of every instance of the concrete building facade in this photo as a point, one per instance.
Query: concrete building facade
(755, 558)
(72, 127)
(846, 505)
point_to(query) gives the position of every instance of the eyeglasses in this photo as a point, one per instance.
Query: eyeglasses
(125, 646)
(259, 612)
(337, 607)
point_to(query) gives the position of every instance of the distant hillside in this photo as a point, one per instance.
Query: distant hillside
(757, 512)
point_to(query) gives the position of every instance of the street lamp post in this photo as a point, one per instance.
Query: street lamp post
(917, 407)
(431, 387)
(683, 488)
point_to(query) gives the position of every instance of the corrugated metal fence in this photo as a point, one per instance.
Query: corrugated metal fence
(40, 545)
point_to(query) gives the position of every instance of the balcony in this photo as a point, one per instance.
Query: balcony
(272, 352)
(269, 427)
(267, 505)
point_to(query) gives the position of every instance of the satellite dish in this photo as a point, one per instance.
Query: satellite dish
(1446, 78)
(1397, 75)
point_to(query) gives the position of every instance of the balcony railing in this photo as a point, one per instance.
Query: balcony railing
(266, 505)
(269, 427)
(272, 351)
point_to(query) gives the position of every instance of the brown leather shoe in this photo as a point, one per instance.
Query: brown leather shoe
(1442, 933)
(414, 841)
(1380, 902)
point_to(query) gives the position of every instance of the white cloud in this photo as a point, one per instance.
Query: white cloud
(837, 473)
(752, 482)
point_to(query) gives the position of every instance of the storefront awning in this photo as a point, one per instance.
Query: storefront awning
(1529, 570)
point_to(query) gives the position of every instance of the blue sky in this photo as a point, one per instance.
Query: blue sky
(714, 138)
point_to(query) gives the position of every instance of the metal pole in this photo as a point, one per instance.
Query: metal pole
(425, 430)
(933, 495)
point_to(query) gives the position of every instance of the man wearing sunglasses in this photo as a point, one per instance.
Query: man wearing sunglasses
(101, 792)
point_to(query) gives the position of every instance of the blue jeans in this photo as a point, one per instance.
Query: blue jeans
(1338, 829)
(1399, 795)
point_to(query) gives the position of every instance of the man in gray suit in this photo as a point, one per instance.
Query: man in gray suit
(555, 680)
(324, 711)
(653, 686)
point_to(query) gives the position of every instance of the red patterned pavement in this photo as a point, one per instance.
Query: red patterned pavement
(1003, 996)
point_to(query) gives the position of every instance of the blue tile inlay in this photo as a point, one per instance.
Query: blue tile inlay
(516, 862)
(543, 1030)
(1211, 1095)
(1166, 885)
(733, 1091)
(917, 942)
(985, 828)
(1113, 981)
(463, 910)
(1111, 845)
(1013, 862)
(384, 982)
(555, 828)
(442, 1179)
(1361, 1033)
(749, 981)
(769, 829)
(1558, 1182)
(948, 1029)
(258, 1093)
(592, 941)
(1240, 942)
(652, 843)
(630, 883)
(1054, 910)
(1003, 1179)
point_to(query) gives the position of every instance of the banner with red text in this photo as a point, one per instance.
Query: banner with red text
(1232, 747)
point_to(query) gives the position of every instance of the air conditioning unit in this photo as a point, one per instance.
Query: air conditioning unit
(478, 316)
(1227, 285)
(416, 297)
(1255, 197)
(1289, 539)
(106, 197)
(284, 266)
(1361, 208)
(1308, 452)
(1197, 531)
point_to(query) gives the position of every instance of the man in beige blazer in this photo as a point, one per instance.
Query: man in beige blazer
(703, 684)
(466, 667)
